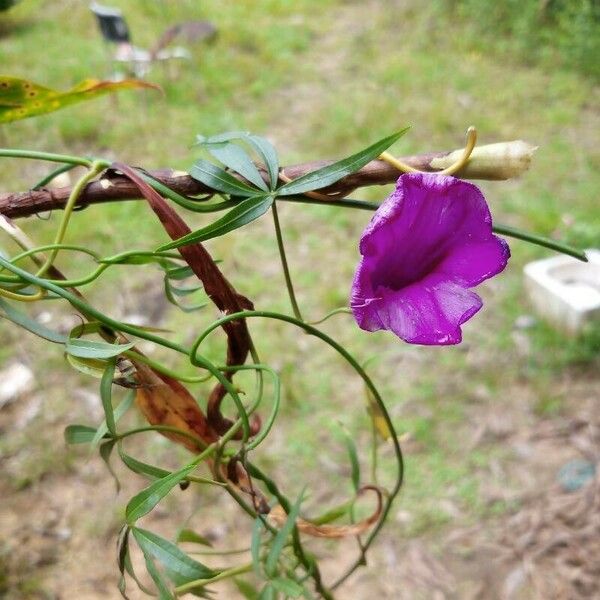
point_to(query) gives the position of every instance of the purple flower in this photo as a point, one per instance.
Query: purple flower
(427, 244)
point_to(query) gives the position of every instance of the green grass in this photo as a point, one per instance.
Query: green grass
(323, 79)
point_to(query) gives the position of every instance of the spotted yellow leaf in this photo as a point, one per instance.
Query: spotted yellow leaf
(21, 99)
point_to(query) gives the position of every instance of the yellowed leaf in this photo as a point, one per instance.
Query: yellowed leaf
(21, 99)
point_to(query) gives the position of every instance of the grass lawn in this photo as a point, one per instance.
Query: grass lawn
(321, 79)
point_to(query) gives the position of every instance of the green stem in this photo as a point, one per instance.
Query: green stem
(49, 156)
(187, 587)
(284, 263)
(532, 238)
(96, 167)
(337, 311)
(165, 370)
(376, 396)
(539, 240)
(195, 205)
(53, 175)
(308, 561)
(89, 311)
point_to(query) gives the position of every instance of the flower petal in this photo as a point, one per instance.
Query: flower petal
(429, 312)
(426, 244)
(425, 220)
(474, 262)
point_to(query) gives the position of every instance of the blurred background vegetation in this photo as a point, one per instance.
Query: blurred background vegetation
(563, 33)
(321, 79)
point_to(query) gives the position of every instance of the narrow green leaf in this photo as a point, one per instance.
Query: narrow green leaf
(246, 589)
(225, 136)
(164, 593)
(281, 538)
(267, 593)
(180, 567)
(122, 552)
(269, 156)
(130, 570)
(353, 455)
(237, 159)
(85, 329)
(142, 468)
(177, 291)
(105, 451)
(255, 546)
(245, 212)
(79, 434)
(88, 366)
(94, 349)
(8, 311)
(122, 548)
(333, 514)
(142, 503)
(179, 273)
(171, 293)
(218, 179)
(187, 535)
(263, 147)
(106, 396)
(122, 587)
(330, 174)
(123, 407)
(287, 586)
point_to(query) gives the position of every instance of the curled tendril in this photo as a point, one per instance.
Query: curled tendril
(371, 387)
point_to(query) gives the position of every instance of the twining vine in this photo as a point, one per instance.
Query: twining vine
(420, 297)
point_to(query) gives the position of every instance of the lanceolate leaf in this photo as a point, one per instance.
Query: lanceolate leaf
(161, 585)
(142, 503)
(281, 538)
(187, 535)
(20, 98)
(237, 159)
(79, 434)
(267, 593)
(245, 212)
(89, 366)
(105, 451)
(142, 468)
(20, 318)
(263, 148)
(257, 529)
(246, 589)
(180, 567)
(220, 180)
(106, 396)
(334, 172)
(353, 454)
(289, 588)
(93, 349)
(269, 156)
(123, 407)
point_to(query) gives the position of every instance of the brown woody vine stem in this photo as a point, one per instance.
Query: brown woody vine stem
(492, 162)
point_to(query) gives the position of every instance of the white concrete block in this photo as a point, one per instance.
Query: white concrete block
(565, 290)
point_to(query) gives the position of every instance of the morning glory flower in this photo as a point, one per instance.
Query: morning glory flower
(428, 243)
